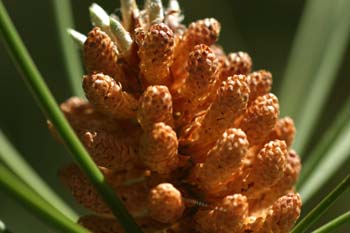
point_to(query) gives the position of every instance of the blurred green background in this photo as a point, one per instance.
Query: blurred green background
(264, 29)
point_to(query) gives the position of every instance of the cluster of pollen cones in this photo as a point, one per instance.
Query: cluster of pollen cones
(189, 137)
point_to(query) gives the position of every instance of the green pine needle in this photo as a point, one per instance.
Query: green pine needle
(15, 162)
(325, 76)
(321, 208)
(70, 55)
(334, 224)
(305, 55)
(317, 153)
(34, 202)
(49, 106)
(337, 155)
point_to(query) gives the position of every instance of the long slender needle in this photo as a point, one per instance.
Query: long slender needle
(321, 208)
(49, 106)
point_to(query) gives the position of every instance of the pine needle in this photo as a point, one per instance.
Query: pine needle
(50, 107)
(34, 202)
(325, 76)
(337, 155)
(328, 138)
(305, 55)
(334, 224)
(322, 207)
(15, 162)
(70, 55)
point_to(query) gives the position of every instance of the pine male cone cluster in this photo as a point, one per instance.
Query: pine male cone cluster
(189, 137)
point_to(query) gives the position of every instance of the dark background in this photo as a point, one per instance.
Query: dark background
(265, 29)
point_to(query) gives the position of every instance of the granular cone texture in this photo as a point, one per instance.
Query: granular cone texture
(260, 118)
(81, 189)
(279, 217)
(224, 158)
(100, 55)
(230, 102)
(165, 203)
(284, 213)
(202, 70)
(108, 150)
(283, 186)
(258, 172)
(158, 148)
(202, 74)
(108, 97)
(204, 31)
(188, 137)
(260, 83)
(100, 224)
(155, 106)
(228, 216)
(131, 194)
(236, 63)
(83, 116)
(156, 54)
(284, 130)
